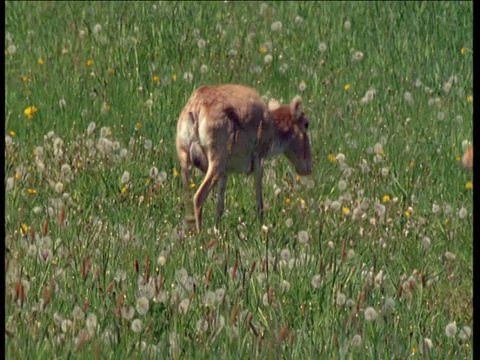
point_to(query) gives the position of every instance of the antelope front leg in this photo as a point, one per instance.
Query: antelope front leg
(258, 166)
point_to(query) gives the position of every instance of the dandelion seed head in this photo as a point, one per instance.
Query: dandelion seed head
(97, 29)
(465, 333)
(91, 322)
(302, 86)
(357, 56)
(380, 209)
(462, 213)
(12, 49)
(128, 312)
(201, 43)
(356, 340)
(336, 205)
(201, 326)
(298, 20)
(183, 306)
(188, 77)
(137, 326)
(451, 330)
(263, 8)
(303, 237)
(268, 59)
(220, 295)
(322, 47)
(289, 222)
(125, 177)
(142, 305)
(316, 281)
(370, 314)
(66, 325)
(204, 69)
(341, 299)
(276, 26)
(447, 87)
(408, 97)
(283, 68)
(342, 185)
(78, 313)
(426, 346)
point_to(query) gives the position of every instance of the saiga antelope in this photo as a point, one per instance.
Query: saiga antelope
(228, 128)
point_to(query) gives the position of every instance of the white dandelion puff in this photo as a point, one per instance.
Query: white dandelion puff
(276, 26)
(451, 330)
(303, 237)
(142, 305)
(137, 325)
(370, 314)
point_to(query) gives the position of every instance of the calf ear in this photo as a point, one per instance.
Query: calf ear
(273, 105)
(296, 107)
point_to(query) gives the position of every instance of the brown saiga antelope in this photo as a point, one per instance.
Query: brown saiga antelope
(228, 128)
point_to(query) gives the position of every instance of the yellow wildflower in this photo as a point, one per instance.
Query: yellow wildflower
(174, 77)
(288, 201)
(346, 87)
(446, 221)
(298, 177)
(386, 198)
(12, 133)
(332, 158)
(408, 213)
(470, 98)
(458, 158)
(40, 61)
(469, 185)
(156, 78)
(138, 125)
(345, 210)
(124, 189)
(23, 229)
(411, 164)
(30, 111)
(31, 191)
(192, 185)
(24, 78)
(463, 51)
(175, 172)
(111, 71)
(262, 50)
(89, 62)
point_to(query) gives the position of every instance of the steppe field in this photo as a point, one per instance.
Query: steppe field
(369, 257)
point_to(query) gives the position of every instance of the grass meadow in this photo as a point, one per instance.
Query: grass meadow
(370, 257)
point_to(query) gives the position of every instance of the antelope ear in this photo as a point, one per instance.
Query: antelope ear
(273, 104)
(296, 107)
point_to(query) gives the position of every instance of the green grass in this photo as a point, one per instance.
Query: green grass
(80, 238)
